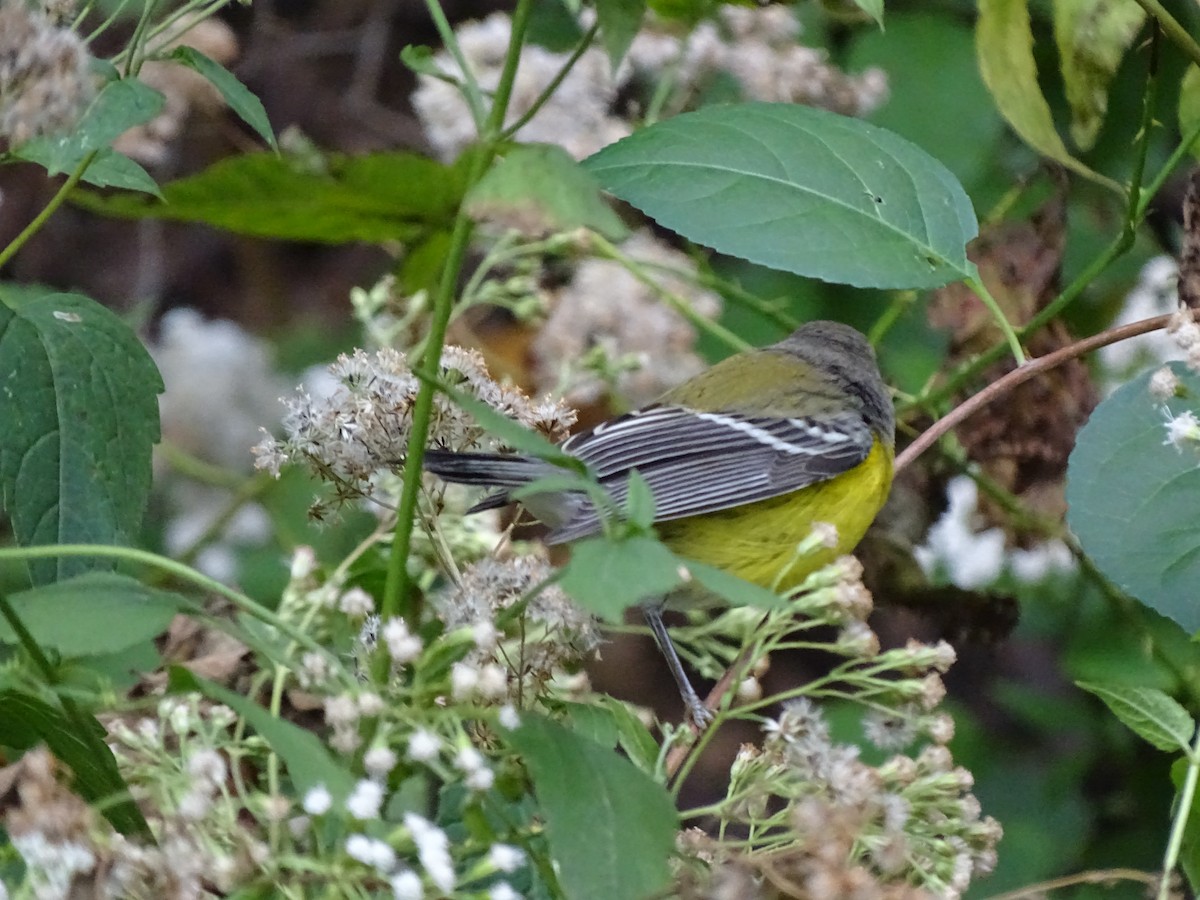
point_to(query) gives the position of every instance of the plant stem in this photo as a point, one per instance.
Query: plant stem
(1171, 27)
(584, 42)
(48, 210)
(396, 587)
(1182, 812)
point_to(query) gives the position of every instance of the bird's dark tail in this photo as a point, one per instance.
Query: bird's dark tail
(496, 470)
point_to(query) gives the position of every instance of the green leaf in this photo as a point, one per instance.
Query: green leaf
(113, 169)
(26, 720)
(798, 189)
(639, 502)
(619, 23)
(377, 198)
(735, 591)
(538, 189)
(1132, 499)
(1189, 104)
(1152, 715)
(611, 827)
(118, 106)
(1004, 45)
(1092, 37)
(94, 614)
(632, 735)
(308, 762)
(873, 8)
(78, 399)
(608, 576)
(236, 94)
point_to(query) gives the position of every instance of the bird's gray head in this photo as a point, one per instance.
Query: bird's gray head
(845, 355)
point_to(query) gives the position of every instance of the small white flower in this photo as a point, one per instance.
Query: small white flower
(370, 703)
(341, 710)
(1164, 384)
(433, 848)
(424, 746)
(484, 634)
(502, 890)
(1182, 430)
(464, 678)
(480, 780)
(506, 857)
(366, 800)
(371, 851)
(207, 766)
(468, 759)
(317, 800)
(304, 561)
(403, 646)
(356, 603)
(379, 761)
(493, 682)
(509, 717)
(407, 885)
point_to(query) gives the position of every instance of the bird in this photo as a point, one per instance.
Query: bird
(742, 460)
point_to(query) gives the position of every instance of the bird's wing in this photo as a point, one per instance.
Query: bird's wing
(700, 462)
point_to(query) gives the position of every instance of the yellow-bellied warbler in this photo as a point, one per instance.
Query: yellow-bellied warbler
(742, 460)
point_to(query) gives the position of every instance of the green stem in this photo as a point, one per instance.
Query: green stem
(1182, 812)
(584, 42)
(396, 587)
(607, 250)
(470, 87)
(48, 210)
(1171, 27)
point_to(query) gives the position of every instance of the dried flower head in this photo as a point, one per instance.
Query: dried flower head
(45, 82)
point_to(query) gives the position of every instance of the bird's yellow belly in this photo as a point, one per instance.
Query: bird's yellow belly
(758, 541)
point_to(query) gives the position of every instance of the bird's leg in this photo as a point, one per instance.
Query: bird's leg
(701, 715)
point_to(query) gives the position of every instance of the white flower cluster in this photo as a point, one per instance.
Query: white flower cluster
(45, 82)
(361, 428)
(605, 315)
(757, 47)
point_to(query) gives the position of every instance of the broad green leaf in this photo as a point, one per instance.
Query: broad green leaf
(119, 106)
(632, 735)
(1189, 104)
(1132, 499)
(639, 502)
(798, 189)
(248, 107)
(79, 407)
(1004, 45)
(538, 189)
(608, 576)
(26, 720)
(383, 197)
(1152, 715)
(93, 614)
(619, 23)
(611, 827)
(308, 762)
(592, 721)
(1092, 37)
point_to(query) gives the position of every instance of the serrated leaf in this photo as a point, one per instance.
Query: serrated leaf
(1132, 499)
(619, 23)
(308, 762)
(26, 720)
(798, 189)
(1092, 38)
(1189, 104)
(538, 189)
(611, 828)
(118, 106)
(1152, 715)
(240, 99)
(378, 198)
(1004, 45)
(93, 614)
(78, 399)
(607, 576)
